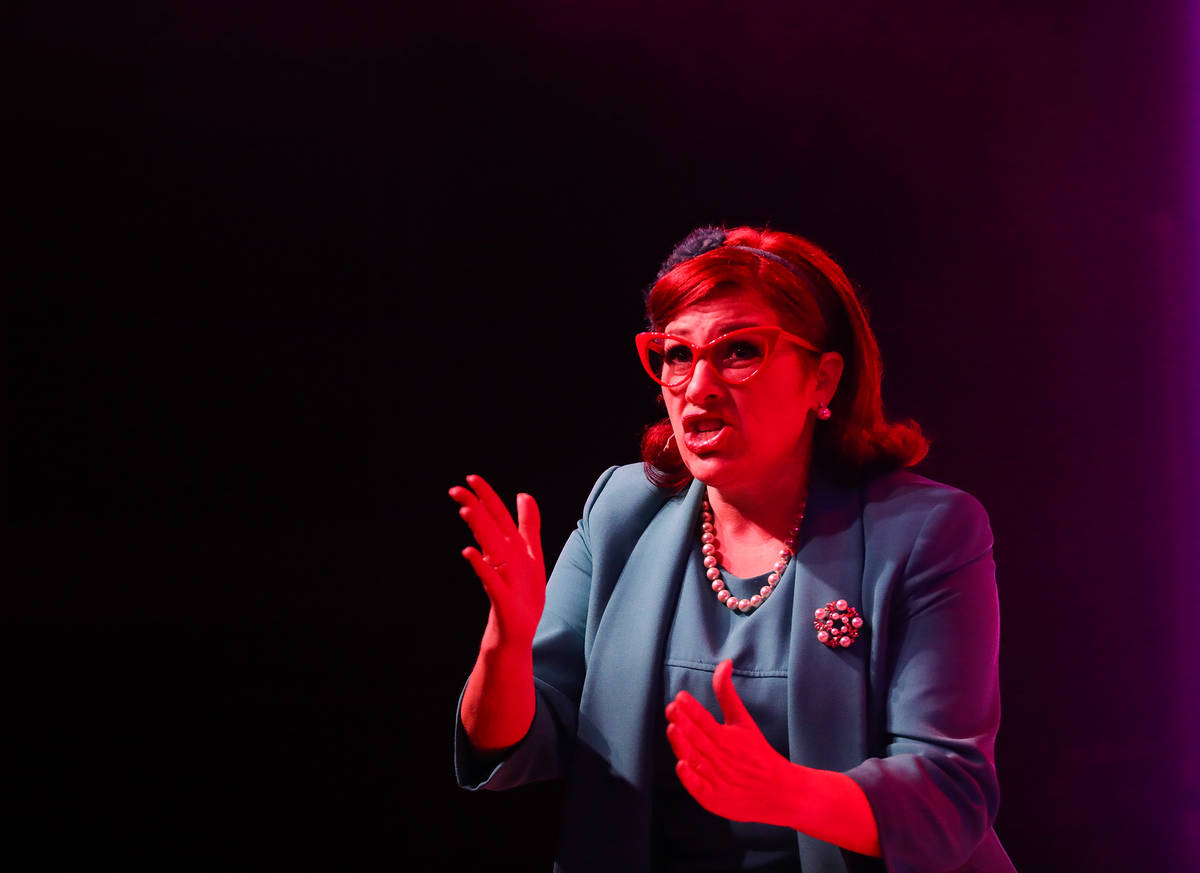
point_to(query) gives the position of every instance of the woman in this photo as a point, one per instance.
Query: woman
(771, 561)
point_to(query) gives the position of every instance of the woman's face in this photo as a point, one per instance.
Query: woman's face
(740, 438)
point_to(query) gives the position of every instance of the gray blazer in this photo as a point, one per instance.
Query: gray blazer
(910, 711)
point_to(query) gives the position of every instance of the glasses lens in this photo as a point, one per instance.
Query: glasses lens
(739, 357)
(669, 359)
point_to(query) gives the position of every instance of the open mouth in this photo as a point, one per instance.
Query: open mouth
(703, 433)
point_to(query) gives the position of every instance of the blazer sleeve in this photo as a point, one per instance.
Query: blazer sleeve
(934, 793)
(559, 665)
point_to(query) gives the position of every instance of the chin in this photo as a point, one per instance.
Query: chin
(711, 470)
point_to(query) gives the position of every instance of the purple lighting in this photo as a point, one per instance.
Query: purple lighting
(1187, 445)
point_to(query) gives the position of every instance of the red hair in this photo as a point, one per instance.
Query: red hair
(815, 301)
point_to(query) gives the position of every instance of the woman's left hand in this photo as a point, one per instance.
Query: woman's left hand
(729, 768)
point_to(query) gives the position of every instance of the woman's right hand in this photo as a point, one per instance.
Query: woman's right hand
(508, 561)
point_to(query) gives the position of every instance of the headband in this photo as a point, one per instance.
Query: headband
(705, 239)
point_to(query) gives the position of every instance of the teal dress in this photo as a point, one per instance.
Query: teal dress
(703, 633)
(909, 711)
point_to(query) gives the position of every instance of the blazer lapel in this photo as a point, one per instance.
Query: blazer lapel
(827, 694)
(637, 620)
(612, 765)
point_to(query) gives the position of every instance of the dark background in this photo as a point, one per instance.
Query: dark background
(287, 273)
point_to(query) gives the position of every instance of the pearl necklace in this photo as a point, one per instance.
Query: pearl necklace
(708, 548)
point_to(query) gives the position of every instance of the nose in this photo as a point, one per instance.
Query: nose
(703, 382)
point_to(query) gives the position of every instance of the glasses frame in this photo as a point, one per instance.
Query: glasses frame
(774, 333)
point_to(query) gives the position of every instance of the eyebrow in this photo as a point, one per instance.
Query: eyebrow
(723, 328)
(730, 327)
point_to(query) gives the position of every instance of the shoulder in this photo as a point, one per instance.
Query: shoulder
(623, 498)
(909, 494)
(936, 526)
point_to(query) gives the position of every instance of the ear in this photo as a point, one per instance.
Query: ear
(829, 374)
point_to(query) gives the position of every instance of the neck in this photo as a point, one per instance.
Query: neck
(766, 512)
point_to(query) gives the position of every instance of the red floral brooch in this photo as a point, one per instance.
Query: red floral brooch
(837, 624)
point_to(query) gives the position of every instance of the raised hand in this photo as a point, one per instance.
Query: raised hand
(509, 559)
(498, 703)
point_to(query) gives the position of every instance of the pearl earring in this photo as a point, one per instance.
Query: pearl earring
(823, 412)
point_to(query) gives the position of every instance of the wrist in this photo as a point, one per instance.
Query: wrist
(795, 797)
(830, 806)
(499, 641)
(498, 703)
